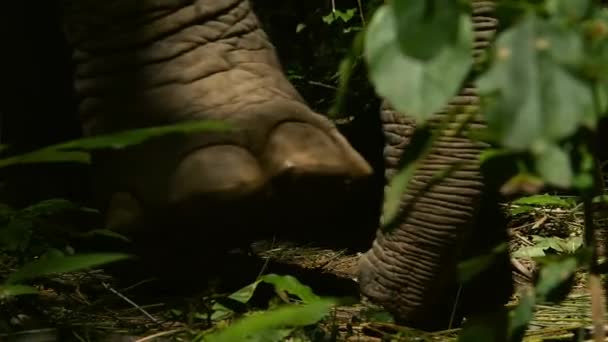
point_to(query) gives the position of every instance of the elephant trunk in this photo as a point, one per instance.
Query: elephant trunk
(411, 270)
(407, 269)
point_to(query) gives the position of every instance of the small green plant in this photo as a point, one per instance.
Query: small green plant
(19, 227)
(298, 307)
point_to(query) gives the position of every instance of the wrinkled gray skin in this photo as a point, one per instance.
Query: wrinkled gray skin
(411, 270)
(141, 63)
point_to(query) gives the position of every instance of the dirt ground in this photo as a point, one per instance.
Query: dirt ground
(91, 306)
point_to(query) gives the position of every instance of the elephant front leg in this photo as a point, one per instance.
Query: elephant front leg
(139, 64)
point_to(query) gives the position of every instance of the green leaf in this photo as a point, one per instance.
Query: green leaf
(105, 232)
(291, 285)
(243, 295)
(521, 316)
(530, 95)
(426, 27)
(16, 290)
(544, 200)
(137, 136)
(62, 264)
(569, 9)
(417, 88)
(345, 16)
(72, 151)
(47, 155)
(553, 275)
(524, 209)
(529, 252)
(553, 165)
(258, 325)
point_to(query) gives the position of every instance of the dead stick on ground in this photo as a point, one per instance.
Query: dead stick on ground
(123, 297)
(160, 334)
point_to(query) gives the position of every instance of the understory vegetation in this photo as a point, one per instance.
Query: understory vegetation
(544, 90)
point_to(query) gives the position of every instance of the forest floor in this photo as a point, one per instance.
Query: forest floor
(89, 306)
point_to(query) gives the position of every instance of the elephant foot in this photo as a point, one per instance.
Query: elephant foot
(408, 303)
(221, 193)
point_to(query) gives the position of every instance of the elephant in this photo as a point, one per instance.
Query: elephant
(411, 270)
(144, 63)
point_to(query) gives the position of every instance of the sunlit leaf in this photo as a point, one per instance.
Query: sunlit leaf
(62, 264)
(544, 200)
(530, 93)
(291, 285)
(242, 295)
(417, 88)
(529, 252)
(257, 326)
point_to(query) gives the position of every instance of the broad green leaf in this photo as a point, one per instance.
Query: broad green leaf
(572, 244)
(553, 165)
(569, 9)
(16, 290)
(426, 27)
(291, 285)
(530, 95)
(62, 264)
(417, 88)
(243, 296)
(524, 209)
(257, 325)
(544, 200)
(529, 252)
